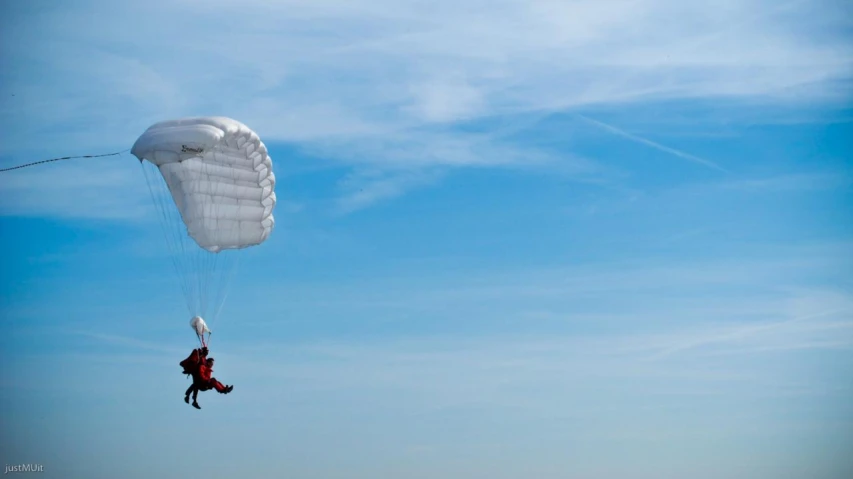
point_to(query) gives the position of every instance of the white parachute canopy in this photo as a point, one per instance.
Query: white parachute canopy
(212, 182)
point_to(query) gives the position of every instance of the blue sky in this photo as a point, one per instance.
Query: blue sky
(513, 239)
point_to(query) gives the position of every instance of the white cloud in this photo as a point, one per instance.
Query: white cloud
(793, 182)
(95, 188)
(447, 98)
(368, 187)
(371, 75)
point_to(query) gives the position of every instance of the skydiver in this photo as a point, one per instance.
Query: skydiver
(202, 381)
(191, 367)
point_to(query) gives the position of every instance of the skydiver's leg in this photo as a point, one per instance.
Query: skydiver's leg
(194, 387)
(187, 394)
(217, 385)
(224, 389)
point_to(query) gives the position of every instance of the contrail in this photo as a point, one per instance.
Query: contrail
(657, 146)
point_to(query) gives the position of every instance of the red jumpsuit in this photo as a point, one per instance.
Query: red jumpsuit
(205, 382)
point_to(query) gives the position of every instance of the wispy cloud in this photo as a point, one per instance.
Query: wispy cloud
(715, 296)
(802, 182)
(743, 333)
(125, 342)
(706, 338)
(111, 188)
(365, 188)
(580, 353)
(388, 166)
(368, 73)
(541, 374)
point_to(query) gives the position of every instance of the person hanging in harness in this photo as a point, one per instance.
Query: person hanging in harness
(200, 367)
(203, 380)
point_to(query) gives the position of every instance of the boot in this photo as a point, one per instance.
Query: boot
(187, 399)
(195, 405)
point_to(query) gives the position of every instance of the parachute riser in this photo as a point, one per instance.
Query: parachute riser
(201, 340)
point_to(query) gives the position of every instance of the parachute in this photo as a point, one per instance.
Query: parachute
(211, 179)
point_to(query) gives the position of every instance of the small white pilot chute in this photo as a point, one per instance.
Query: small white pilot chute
(200, 327)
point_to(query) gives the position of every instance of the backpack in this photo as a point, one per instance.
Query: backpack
(190, 364)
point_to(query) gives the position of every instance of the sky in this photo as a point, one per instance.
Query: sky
(587, 239)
